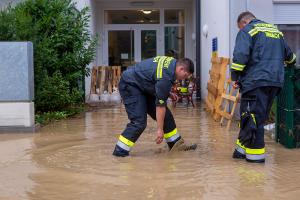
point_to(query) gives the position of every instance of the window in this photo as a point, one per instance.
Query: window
(174, 16)
(292, 37)
(148, 44)
(131, 16)
(174, 41)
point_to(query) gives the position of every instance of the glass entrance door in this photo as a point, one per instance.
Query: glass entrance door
(126, 47)
(121, 47)
(148, 44)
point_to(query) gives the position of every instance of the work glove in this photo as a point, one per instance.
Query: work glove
(248, 129)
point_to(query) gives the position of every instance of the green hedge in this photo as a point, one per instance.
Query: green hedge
(63, 47)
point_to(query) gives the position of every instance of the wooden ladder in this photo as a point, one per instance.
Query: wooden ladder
(228, 98)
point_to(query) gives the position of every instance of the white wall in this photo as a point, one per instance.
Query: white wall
(236, 7)
(17, 114)
(263, 10)
(5, 3)
(92, 27)
(215, 14)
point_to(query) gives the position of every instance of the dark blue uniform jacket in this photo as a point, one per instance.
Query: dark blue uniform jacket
(154, 76)
(259, 56)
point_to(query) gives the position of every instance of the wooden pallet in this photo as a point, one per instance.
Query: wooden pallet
(216, 85)
(105, 78)
(229, 101)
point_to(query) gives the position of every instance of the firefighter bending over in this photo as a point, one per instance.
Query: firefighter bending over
(145, 89)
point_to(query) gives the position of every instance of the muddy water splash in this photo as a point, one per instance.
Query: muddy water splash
(72, 159)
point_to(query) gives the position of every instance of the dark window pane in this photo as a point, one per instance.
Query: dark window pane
(292, 37)
(121, 47)
(174, 16)
(174, 42)
(148, 42)
(132, 16)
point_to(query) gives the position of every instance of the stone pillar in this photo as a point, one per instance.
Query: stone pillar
(16, 85)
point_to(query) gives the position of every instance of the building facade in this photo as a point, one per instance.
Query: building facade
(129, 34)
(132, 30)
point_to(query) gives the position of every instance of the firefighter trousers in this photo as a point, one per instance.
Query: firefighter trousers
(260, 101)
(138, 105)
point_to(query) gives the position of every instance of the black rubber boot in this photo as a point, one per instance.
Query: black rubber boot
(119, 152)
(238, 155)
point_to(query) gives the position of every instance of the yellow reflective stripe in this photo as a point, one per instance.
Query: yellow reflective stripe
(267, 30)
(167, 62)
(170, 134)
(255, 151)
(253, 32)
(239, 144)
(265, 25)
(160, 67)
(162, 62)
(292, 60)
(126, 141)
(238, 67)
(156, 59)
(253, 117)
(272, 35)
(183, 89)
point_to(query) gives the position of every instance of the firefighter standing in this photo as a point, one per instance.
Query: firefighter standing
(258, 70)
(145, 89)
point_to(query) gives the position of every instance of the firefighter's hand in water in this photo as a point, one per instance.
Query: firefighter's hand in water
(174, 96)
(160, 136)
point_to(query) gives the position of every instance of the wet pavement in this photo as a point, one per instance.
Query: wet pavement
(71, 159)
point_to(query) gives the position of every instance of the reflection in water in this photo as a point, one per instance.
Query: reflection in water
(72, 159)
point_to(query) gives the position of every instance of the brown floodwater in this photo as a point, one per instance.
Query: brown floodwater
(71, 159)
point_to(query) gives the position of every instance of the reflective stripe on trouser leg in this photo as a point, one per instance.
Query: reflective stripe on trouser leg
(124, 143)
(255, 154)
(240, 148)
(171, 136)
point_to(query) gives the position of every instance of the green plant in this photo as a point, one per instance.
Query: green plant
(63, 47)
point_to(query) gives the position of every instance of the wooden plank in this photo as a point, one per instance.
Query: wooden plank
(220, 86)
(225, 114)
(102, 79)
(209, 105)
(228, 97)
(212, 89)
(94, 80)
(214, 75)
(110, 79)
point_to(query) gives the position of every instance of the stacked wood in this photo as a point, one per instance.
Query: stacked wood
(105, 78)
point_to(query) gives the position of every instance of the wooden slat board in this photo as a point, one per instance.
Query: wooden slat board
(216, 84)
(105, 78)
(229, 102)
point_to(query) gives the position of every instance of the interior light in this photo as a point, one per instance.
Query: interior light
(147, 12)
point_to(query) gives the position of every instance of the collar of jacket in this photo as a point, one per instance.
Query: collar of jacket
(250, 25)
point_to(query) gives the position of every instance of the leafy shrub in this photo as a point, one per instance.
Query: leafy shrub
(62, 45)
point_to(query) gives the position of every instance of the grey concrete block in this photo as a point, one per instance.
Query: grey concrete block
(16, 71)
